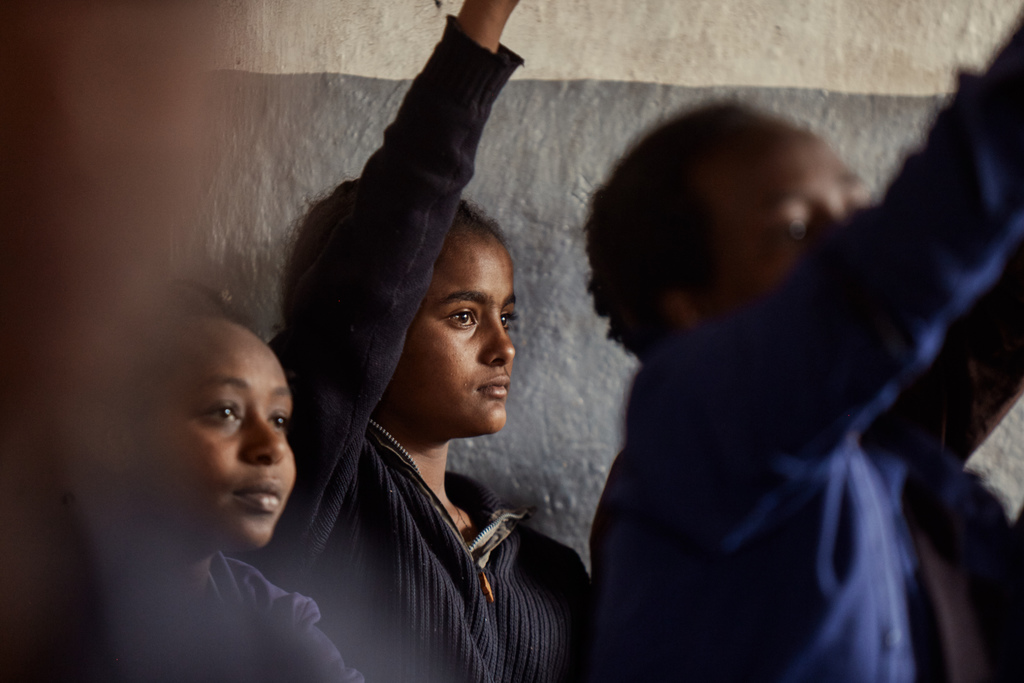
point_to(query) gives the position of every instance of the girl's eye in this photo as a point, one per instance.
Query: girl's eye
(225, 413)
(463, 318)
(797, 230)
(788, 232)
(507, 319)
(279, 421)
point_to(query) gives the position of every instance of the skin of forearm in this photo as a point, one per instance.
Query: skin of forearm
(484, 20)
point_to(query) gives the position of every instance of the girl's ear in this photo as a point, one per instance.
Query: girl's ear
(680, 309)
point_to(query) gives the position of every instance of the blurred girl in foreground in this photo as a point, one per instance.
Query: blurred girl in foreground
(220, 478)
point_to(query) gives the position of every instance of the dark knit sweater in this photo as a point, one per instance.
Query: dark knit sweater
(399, 591)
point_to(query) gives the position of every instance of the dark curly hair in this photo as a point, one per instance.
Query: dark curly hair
(315, 227)
(648, 230)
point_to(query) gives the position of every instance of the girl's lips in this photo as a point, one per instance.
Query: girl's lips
(265, 500)
(496, 389)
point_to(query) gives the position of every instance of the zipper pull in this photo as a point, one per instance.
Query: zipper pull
(485, 586)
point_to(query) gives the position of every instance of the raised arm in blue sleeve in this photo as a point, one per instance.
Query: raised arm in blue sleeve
(781, 383)
(751, 535)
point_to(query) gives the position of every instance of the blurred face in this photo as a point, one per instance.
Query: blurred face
(768, 202)
(453, 377)
(225, 425)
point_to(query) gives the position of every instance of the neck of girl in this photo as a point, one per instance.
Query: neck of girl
(182, 560)
(197, 575)
(172, 572)
(431, 458)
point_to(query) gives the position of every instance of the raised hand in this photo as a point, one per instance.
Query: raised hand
(484, 20)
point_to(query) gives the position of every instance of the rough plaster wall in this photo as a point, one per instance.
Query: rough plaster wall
(869, 46)
(1000, 461)
(548, 145)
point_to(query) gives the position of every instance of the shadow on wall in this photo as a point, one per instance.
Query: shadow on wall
(547, 147)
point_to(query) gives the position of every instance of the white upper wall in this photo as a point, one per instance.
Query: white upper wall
(870, 46)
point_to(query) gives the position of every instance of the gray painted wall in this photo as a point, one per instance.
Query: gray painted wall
(549, 144)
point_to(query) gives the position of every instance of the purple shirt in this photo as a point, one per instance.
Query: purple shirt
(242, 586)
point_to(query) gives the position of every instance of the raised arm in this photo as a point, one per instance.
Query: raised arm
(770, 389)
(484, 20)
(348, 323)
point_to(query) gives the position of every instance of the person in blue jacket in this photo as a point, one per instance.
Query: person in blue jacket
(765, 519)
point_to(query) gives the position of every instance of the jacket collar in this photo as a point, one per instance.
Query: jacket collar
(495, 519)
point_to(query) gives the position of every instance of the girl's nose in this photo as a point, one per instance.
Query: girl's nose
(500, 350)
(265, 444)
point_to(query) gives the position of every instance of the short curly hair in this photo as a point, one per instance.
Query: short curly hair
(325, 214)
(648, 229)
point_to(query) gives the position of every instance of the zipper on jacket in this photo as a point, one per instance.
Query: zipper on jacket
(485, 585)
(400, 449)
(490, 527)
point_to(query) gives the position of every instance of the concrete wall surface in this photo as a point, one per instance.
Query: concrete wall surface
(549, 144)
(867, 46)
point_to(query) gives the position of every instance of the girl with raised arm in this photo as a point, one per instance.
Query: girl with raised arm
(398, 301)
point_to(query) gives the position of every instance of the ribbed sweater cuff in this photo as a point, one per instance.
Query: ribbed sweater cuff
(463, 70)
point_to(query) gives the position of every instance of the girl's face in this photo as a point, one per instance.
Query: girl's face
(453, 376)
(225, 428)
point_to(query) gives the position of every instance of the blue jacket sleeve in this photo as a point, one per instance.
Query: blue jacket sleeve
(721, 418)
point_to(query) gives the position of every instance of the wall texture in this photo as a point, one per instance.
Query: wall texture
(549, 144)
(870, 46)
